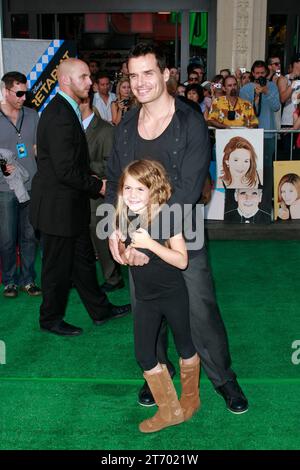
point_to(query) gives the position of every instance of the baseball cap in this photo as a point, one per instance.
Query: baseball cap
(296, 58)
(206, 85)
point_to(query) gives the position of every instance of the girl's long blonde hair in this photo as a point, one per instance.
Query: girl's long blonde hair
(151, 174)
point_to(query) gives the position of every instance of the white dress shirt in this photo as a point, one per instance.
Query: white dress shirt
(104, 108)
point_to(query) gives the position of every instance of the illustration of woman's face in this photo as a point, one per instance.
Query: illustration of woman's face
(288, 193)
(239, 163)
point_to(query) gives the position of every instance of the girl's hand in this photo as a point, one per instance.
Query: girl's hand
(140, 239)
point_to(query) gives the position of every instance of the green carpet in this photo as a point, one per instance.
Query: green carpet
(80, 393)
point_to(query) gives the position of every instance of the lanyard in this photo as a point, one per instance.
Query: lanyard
(21, 123)
(229, 104)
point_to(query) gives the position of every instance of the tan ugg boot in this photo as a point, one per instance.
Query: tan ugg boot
(169, 410)
(189, 377)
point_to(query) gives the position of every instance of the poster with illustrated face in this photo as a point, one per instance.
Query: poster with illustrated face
(214, 210)
(240, 158)
(248, 206)
(287, 190)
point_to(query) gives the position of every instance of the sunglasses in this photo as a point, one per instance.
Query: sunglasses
(18, 93)
(275, 63)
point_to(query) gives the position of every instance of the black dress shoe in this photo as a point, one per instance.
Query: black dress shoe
(32, 289)
(107, 287)
(145, 397)
(234, 397)
(63, 329)
(116, 311)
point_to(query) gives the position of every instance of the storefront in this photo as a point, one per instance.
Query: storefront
(283, 35)
(107, 29)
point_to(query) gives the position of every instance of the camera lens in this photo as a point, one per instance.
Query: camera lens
(262, 81)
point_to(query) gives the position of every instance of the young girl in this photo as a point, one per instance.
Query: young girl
(160, 292)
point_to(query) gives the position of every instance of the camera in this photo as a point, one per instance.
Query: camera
(3, 163)
(262, 81)
(218, 86)
(125, 102)
(231, 115)
(242, 69)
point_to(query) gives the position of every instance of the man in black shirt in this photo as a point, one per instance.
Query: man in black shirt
(167, 130)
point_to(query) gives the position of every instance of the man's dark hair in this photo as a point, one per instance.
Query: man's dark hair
(142, 49)
(10, 77)
(100, 75)
(259, 63)
(95, 61)
(270, 59)
(191, 67)
(218, 78)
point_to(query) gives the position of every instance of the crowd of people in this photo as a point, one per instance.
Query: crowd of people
(142, 148)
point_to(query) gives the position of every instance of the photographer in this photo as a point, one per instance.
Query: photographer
(230, 110)
(264, 97)
(274, 66)
(124, 101)
(18, 125)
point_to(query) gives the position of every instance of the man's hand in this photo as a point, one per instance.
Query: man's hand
(135, 257)
(261, 89)
(103, 189)
(10, 168)
(113, 242)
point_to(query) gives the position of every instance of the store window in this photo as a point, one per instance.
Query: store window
(107, 37)
(20, 26)
(277, 29)
(198, 38)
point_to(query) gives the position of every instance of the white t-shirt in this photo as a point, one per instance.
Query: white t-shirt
(289, 106)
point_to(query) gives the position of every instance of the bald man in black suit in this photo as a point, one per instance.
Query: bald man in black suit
(60, 207)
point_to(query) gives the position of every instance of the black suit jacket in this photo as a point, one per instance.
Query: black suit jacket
(63, 185)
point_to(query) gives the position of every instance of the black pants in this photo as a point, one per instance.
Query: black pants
(207, 328)
(66, 260)
(147, 322)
